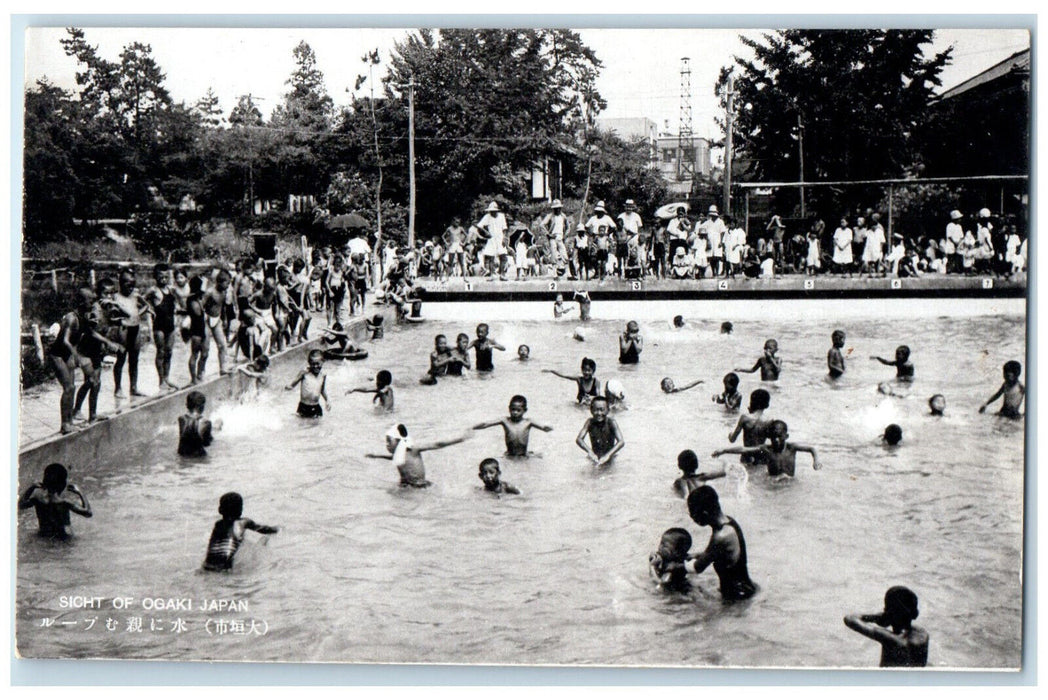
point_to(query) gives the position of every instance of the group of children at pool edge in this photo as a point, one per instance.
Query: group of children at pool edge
(764, 443)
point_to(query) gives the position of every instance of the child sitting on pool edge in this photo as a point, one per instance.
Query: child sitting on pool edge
(383, 390)
(194, 432)
(228, 533)
(491, 474)
(50, 498)
(407, 457)
(516, 427)
(314, 387)
(691, 478)
(605, 439)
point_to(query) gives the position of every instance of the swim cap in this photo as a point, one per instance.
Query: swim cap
(579, 333)
(397, 432)
(614, 388)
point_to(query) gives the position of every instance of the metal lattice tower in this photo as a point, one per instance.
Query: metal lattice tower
(685, 165)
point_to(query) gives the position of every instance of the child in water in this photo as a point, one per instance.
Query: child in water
(668, 387)
(731, 398)
(834, 358)
(491, 474)
(666, 565)
(228, 533)
(605, 439)
(583, 298)
(516, 426)
(631, 344)
(194, 432)
(691, 478)
(892, 435)
(937, 405)
(439, 360)
(558, 307)
(374, 326)
(482, 345)
(769, 365)
(407, 456)
(1012, 390)
(901, 363)
(587, 383)
(54, 498)
(780, 455)
(752, 425)
(523, 353)
(314, 387)
(902, 644)
(383, 390)
(459, 356)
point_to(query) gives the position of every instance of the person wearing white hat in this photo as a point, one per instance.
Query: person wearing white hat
(556, 222)
(600, 226)
(714, 230)
(954, 239)
(631, 225)
(494, 225)
(984, 251)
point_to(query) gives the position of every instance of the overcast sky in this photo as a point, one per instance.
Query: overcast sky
(641, 75)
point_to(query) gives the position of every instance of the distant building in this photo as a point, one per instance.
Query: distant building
(677, 169)
(631, 129)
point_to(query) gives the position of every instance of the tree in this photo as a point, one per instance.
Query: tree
(49, 148)
(855, 97)
(620, 170)
(209, 110)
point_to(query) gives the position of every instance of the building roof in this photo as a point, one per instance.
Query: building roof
(1017, 62)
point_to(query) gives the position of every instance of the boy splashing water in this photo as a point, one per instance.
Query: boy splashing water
(314, 387)
(407, 456)
(228, 533)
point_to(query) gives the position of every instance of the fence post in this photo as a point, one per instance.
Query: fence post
(54, 280)
(38, 343)
(94, 281)
(891, 196)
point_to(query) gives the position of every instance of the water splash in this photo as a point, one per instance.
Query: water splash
(250, 417)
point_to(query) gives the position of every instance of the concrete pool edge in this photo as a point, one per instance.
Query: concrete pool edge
(99, 440)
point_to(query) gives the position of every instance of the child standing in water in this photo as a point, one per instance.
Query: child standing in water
(483, 346)
(901, 363)
(667, 564)
(54, 498)
(587, 383)
(491, 474)
(383, 390)
(769, 365)
(902, 644)
(834, 358)
(583, 298)
(314, 387)
(605, 439)
(228, 533)
(459, 356)
(516, 427)
(194, 432)
(730, 398)
(558, 307)
(631, 344)
(780, 455)
(407, 456)
(691, 478)
(439, 360)
(1012, 390)
(752, 425)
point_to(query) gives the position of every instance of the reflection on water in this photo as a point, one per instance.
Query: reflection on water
(365, 571)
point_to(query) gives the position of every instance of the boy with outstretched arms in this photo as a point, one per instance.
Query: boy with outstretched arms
(407, 456)
(383, 390)
(228, 533)
(516, 426)
(780, 455)
(901, 363)
(691, 478)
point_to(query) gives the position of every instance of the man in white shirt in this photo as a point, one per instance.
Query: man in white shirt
(954, 237)
(715, 230)
(630, 226)
(494, 226)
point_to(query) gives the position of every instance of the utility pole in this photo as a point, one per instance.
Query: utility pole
(800, 147)
(411, 163)
(729, 127)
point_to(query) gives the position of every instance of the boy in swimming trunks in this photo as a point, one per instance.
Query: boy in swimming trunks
(588, 385)
(1012, 390)
(54, 498)
(691, 478)
(752, 425)
(491, 474)
(901, 363)
(726, 550)
(730, 398)
(937, 405)
(163, 301)
(129, 306)
(834, 358)
(516, 426)
(666, 565)
(902, 644)
(605, 438)
(780, 455)
(228, 533)
(583, 298)
(630, 344)
(314, 386)
(194, 432)
(482, 346)
(383, 390)
(407, 457)
(459, 356)
(199, 347)
(769, 365)
(668, 387)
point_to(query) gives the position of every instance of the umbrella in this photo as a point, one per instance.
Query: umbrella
(346, 221)
(668, 211)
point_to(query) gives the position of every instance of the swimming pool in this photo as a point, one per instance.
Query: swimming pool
(365, 571)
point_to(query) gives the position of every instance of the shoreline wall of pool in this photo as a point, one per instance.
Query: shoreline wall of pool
(99, 440)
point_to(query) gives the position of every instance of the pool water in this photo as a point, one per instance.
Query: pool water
(365, 571)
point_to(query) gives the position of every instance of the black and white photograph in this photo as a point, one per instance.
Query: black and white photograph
(302, 309)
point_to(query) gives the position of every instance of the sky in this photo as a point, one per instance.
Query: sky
(640, 78)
